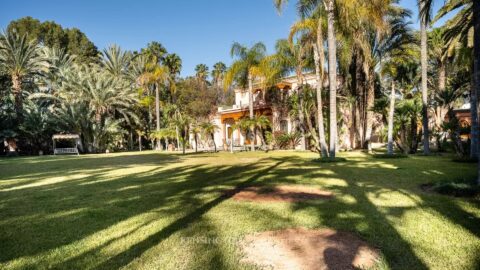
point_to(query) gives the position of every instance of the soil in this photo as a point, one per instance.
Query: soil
(306, 249)
(280, 193)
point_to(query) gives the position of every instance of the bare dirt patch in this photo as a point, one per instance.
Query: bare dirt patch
(280, 193)
(307, 250)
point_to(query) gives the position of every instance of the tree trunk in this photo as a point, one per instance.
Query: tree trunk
(140, 143)
(390, 120)
(196, 141)
(157, 112)
(370, 100)
(301, 116)
(332, 77)
(424, 67)
(184, 138)
(474, 129)
(476, 59)
(214, 144)
(319, 60)
(17, 92)
(413, 135)
(250, 107)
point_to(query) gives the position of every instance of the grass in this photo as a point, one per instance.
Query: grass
(151, 210)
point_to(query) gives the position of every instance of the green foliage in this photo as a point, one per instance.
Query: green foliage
(329, 160)
(387, 156)
(53, 35)
(287, 140)
(456, 189)
(195, 98)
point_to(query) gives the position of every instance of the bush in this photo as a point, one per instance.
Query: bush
(329, 160)
(390, 156)
(465, 159)
(456, 189)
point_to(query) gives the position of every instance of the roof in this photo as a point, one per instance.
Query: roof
(66, 136)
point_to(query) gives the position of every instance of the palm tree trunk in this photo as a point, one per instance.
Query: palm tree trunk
(370, 100)
(196, 140)
(17, 92)
(424, 67)
(140, 143)
(476, 59)
(319, 60)
(301, 116)
(250, 106)
(390, 120)
(214, 144)
(184, 138)
(157, 112)
(332, 76)
(474, 132)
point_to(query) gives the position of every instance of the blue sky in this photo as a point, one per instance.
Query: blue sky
(200, 31)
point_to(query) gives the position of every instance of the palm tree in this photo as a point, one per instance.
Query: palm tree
(196, 129)
(209, 130)
(158, 76)
(116, 61)
(425, 8)
(218, 73)
(306, 8)
(313, 29)
(261, 124)
(201, 72)
(140, 134)
(293, 57)
(476, 50)
(19, 59)
(174, 64)
(251, 64)
(465, 23)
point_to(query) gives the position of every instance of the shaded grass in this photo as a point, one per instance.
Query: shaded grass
(153, 210)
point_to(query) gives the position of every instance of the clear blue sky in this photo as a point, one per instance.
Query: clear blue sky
(200, 31)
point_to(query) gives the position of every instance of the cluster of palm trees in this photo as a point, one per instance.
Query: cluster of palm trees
(369, 57)
(108, 102)
(364, 52)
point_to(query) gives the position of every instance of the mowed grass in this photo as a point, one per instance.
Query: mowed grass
(153, 210)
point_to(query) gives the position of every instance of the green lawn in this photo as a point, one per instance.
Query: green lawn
(166, 211)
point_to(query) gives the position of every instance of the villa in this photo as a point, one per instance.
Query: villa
(265, 102)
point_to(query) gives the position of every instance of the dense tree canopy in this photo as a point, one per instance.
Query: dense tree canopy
(51, 34)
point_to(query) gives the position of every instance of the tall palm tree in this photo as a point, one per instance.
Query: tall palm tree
(313, 28)
(305, 9)
(201, 72)
(251, 64)
(218, 73)
(476, 50)
(464, 28)
(174, 64)
(19, 59)
(393, 69)
(425, 10)
(157, 75)
(293, 57)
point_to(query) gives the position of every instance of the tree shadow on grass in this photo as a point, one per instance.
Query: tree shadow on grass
(59, 214)
(136, 250)
(62, 213)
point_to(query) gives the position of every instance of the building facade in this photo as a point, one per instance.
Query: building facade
(263, 104)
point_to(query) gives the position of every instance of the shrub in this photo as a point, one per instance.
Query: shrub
(329, 160)
(456, 189)
(390, 156)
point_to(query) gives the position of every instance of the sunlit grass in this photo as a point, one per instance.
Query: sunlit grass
(167, 211)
